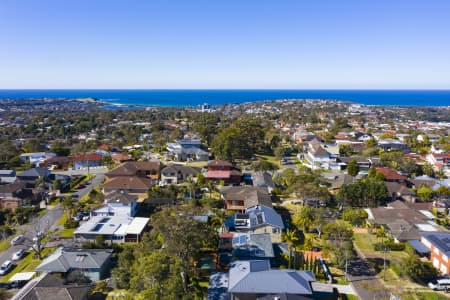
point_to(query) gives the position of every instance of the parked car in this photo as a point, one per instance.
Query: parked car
(18, 255)
(6, 267)
(442, 284)
(17, 240)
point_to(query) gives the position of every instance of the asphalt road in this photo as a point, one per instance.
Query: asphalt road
(49, 219)
(43, 223)
(97, 180)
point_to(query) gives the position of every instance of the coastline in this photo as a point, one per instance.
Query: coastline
(193, 98)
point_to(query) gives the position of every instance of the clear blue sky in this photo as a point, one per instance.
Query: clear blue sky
(225, 44)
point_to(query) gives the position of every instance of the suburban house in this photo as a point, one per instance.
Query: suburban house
(175, 174)
(240, 198)
(439, 161)
(88, 160)
(93, 264)
(56, 162)
(187, 149)
(33, 175)
(143, 169)
(392, 144)
(257, 219)
(438, 244)
(121, 157)
(254, 279)
(220, 170)
(252, 246)
(391, 175)
(363, 163)
(36, 158)
(336, 181)
(48, 286)
(13, 195)
(317, 157)
(399, 191)
(117, 204)
(130, 185)
(113, 229)
(7, 176)
(263, 179)
(132, 177)
(402, 220)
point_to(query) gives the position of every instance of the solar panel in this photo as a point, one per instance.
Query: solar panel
(439, 243)
(243, 239)
(235, 240)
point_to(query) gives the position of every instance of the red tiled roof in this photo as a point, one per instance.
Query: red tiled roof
(218, 174)
(88, 157)
(390, 174)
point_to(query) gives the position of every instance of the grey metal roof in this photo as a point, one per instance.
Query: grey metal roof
(268, 214)
(65, 259)
(256, 277)
(34, 172)
(418, 246)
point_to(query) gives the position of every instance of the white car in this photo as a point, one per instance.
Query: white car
(6, 267)
(18, 255)
(17, 240)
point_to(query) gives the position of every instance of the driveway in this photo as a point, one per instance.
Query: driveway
(96, 181)
(364, 280)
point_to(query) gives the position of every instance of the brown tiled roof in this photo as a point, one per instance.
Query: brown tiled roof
(251, 196)
(12, 187)
(131, 168)
(128, 183)
(390, 174)
(384, 215)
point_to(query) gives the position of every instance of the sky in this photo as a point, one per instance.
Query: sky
(229, 44)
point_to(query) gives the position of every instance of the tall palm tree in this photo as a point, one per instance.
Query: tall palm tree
(291, 239)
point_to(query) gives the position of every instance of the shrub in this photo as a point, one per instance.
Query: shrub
(71, 224)
(391, 246)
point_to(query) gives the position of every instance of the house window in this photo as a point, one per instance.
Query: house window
(436, 263)
(436, 251)
(445, 258)
(275, 230)
(443, 269)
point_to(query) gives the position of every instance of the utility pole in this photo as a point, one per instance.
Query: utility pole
(346, 265)
(384, 262)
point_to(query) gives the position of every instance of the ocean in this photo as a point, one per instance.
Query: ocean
(216, 97)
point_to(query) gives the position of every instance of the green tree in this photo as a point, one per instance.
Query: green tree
(356, 217)
(304, 218)
(290, 236)
(56, 184)
(264, 165)
(425, 193)
(417, 270)
(352, 168)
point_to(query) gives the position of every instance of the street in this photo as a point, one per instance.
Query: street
(49, 220)
(30, 230)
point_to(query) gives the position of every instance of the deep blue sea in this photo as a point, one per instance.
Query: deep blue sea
(214, 97)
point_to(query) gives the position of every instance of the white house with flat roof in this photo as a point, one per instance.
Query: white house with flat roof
(113, 229)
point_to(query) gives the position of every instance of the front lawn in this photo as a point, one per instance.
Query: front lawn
(27, 264)
(424, 296)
